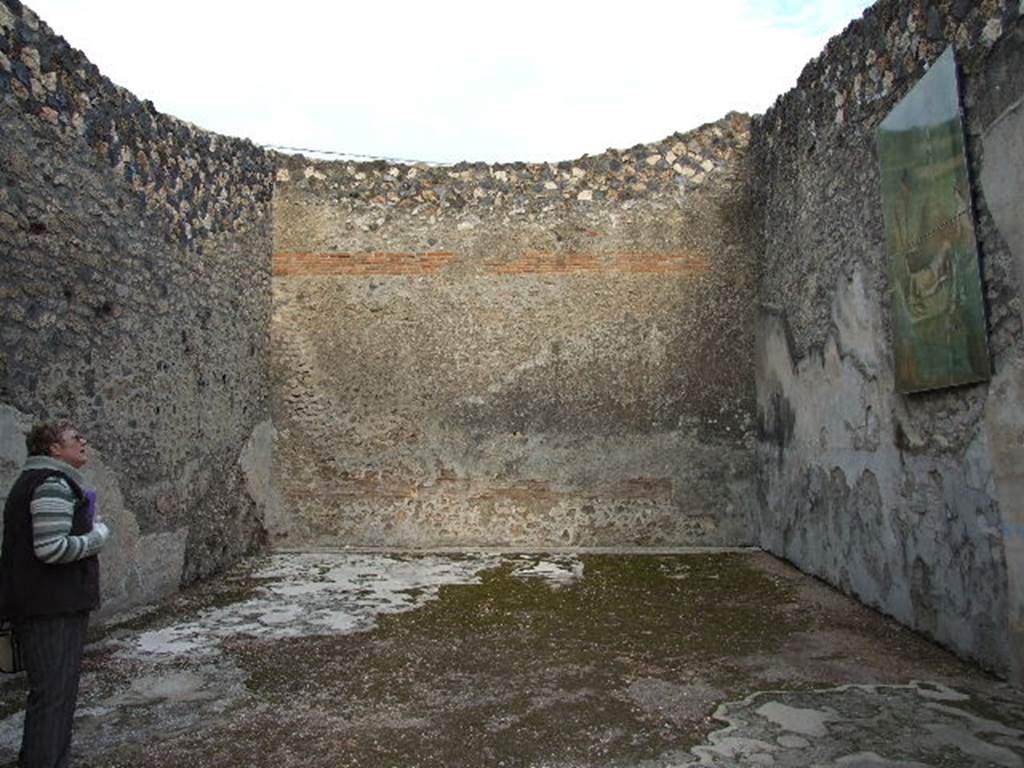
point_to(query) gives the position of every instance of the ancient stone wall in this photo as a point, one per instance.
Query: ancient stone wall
(136, 300)
(524, 354)
(914, 503)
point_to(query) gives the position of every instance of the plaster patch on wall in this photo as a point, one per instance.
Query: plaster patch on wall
(845, 503)
(838, 403)
(135, 568)
(857, 320)
(14, 425)
(1005, 422)
(256, 462)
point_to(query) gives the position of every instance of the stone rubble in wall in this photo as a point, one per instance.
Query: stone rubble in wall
(136, 285)
(667, 168)
(903, 44)
(840, 98)
(71, 102)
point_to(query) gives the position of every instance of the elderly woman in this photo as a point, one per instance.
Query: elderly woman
(49, 582)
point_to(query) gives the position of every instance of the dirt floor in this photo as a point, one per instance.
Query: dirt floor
(372, 659)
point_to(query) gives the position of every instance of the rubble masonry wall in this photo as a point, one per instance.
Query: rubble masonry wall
(523, 354)
(135, 300)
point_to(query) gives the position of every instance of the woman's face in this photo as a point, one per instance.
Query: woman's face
(70, 449)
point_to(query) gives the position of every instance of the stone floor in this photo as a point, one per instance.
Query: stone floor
(372, 659)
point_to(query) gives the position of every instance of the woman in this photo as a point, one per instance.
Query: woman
(49, 582)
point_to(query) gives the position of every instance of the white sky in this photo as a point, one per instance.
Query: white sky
(449, 80)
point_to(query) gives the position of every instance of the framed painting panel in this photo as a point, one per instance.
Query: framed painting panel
(938, 311)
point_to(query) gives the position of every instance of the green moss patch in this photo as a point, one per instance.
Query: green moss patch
(614, 667)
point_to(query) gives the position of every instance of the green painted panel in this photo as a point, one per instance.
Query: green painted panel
(937, 308)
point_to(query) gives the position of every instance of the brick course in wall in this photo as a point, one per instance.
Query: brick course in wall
(532, 262)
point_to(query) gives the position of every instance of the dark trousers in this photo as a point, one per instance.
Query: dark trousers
(51, 648)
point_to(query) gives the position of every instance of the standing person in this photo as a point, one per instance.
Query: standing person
(49, 582)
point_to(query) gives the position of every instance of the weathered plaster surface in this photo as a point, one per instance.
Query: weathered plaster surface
(909, 502)
(1003, 177)
(315, 594)
(136, 567)
(1005, 424)
(1002, 141)
(14, 425)
(906, 726)
(256, 462)
(916, 536)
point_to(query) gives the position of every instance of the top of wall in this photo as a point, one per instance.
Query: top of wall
(180, 173)
(879, 57)
(166, 160)
(669, 167)
(817, 142)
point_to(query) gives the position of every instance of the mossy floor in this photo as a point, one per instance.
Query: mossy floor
(525, 660)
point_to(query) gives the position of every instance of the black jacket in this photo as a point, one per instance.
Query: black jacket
(28, 586)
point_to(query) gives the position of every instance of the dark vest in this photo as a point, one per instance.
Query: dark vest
(28, 586)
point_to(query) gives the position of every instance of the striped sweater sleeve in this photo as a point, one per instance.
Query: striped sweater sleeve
(53, 509)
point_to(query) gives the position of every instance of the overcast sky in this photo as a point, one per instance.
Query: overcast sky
(448, 80)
